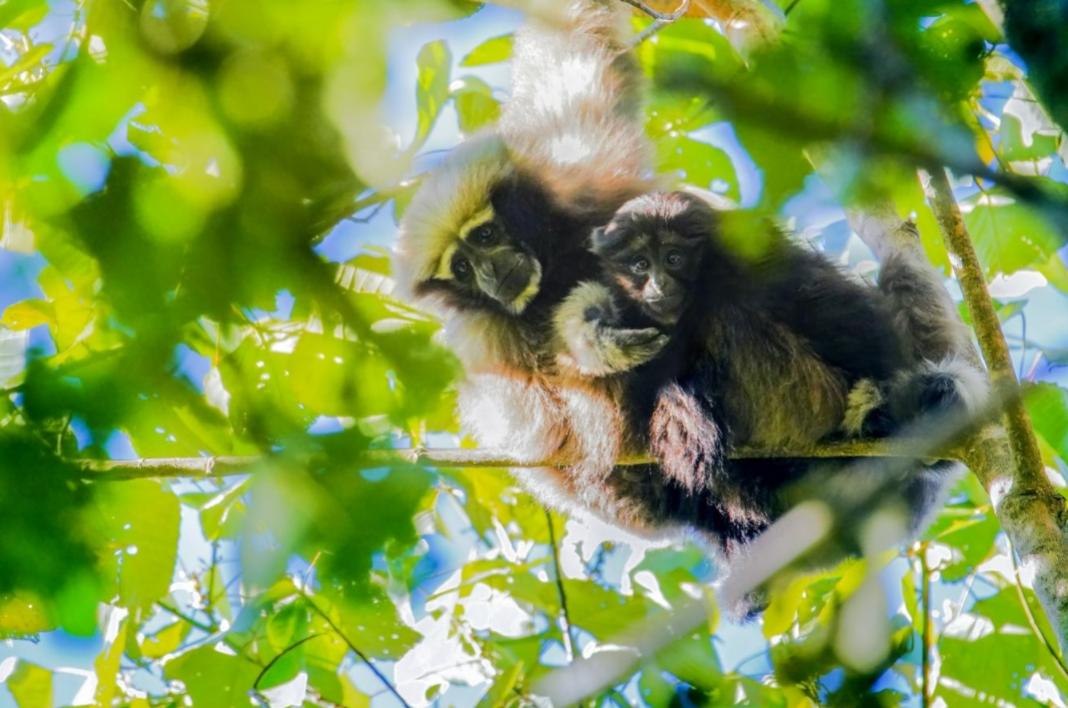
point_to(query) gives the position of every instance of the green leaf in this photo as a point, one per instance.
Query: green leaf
(22, 614)
(141, 521)
(432, 88)
(212, 678)
(475, 105)
(1002, 657)
(973, 539)
(31, 685)
(165, 640)
(1011, 237)
(372, 624)
(492, 51)
(107, 665)
(693, 660)
(1048, 407)
(286, 625)
(28, 314)
(697, 163)
(1015, 146)
(502, 692)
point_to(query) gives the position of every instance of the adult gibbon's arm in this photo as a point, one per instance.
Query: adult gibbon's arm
(592, 337)
(573, 119)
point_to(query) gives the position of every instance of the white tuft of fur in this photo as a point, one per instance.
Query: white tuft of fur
(863, 398)
(449, 197)
(972, 385)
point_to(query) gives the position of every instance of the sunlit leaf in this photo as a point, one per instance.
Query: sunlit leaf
(491, 51)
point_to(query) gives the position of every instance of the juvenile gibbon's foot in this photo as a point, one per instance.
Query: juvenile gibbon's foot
(592, 343)
(936, 390)
(689, 446)
(867, 413)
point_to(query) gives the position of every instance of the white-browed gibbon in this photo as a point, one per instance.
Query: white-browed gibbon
(496, 237)
(779, 349)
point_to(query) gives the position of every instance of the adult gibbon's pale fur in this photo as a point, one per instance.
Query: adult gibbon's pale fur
(497, 236)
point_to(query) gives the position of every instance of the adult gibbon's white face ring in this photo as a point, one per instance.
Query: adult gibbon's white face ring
(485, 258)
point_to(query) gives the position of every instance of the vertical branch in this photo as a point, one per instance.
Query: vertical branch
(927, 628)
(1007, 461)
(565, 617)
(1030, 470)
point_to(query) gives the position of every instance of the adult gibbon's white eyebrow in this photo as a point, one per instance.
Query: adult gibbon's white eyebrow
(478, 219)
(444, 269)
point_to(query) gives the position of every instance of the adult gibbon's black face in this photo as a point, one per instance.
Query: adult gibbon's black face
(653, 249)
(486, 260)
(487, 266)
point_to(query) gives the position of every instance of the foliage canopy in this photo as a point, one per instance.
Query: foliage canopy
(196, 197)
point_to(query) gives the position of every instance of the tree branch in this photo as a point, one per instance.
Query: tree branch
(167, 467)
(740, 101)
(1007, 460)
(558, 576)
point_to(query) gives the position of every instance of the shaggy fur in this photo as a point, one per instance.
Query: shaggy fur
(568, 151)
(780, 351)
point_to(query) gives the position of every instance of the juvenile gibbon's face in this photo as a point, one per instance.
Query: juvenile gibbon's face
(653, 248)
(486, 265)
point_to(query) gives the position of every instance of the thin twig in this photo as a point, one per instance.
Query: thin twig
(355, 650)
(558, 576)
(661, 16)
(660, 22)
(272, 662)
(209, 628)
(1058, 657)
(926, 630)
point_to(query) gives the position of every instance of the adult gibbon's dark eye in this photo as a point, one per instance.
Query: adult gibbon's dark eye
(674, 259)
(639, 265)
(461, 267)
(484, 235)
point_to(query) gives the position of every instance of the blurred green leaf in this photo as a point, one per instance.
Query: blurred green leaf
(1011, 237)
(432, 88)
(1048, 406)
(491, 51)
(140, 520)
(30, 685)
(475, 105)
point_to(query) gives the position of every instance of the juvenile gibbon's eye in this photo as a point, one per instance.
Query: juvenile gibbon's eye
(484, 235)
(674, 259)
(639, 265)
(461, 267)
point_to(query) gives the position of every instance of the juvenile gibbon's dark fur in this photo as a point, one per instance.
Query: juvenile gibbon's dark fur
(777, 350)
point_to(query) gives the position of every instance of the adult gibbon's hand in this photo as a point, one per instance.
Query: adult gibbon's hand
(594, 343)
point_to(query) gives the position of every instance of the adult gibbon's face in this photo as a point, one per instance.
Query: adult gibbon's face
(486, 261)
(653, 249)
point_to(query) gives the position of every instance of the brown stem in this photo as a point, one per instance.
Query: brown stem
(558, 575)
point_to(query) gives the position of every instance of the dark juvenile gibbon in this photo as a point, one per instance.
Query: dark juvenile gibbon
(779, 350)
